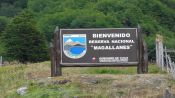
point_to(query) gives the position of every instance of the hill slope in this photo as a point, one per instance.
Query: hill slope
(154, 16)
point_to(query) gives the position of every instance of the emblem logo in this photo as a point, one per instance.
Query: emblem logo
(74, 45)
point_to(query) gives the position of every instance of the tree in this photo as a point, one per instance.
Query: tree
(23, 42)
(3, 23)
(9, 10)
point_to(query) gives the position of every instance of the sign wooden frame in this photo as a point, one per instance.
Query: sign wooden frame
(55, 47)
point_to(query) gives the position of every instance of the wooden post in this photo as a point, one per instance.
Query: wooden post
(1, 62)
(57, 51)
(166, 61)
(143, 55)
(52, 59)
(145, 58)
(159, 51)
(55, 55)
(140, 44)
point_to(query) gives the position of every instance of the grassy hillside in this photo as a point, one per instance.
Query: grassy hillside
(82, 82)
(154, 16)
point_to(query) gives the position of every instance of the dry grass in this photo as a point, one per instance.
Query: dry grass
(83, 82)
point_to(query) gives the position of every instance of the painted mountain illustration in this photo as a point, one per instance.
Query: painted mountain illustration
(70, 44)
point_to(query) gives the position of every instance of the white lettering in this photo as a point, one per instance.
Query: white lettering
(111, 35)
(124, 47)
(113, 59)
(122, 41)
(98, 41)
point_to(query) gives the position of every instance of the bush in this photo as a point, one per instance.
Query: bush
(23, 42)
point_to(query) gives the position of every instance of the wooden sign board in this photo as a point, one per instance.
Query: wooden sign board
(88, 47)
(98, 48)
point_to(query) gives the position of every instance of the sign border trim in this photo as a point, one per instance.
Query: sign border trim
(101, 64)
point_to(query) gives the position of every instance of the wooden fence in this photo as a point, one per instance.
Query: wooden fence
(1, 61)
(163, 58)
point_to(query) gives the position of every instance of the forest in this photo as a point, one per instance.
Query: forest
(27, 26)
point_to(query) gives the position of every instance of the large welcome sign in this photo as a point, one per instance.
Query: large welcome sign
(116, 46)
(98, 47)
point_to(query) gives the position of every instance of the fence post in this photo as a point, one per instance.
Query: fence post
(159, 51)
(1, 62)
(166, 60)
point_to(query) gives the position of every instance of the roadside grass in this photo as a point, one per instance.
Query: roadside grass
(49, 91)
(11, 77)
(17, 75)
(152, 69)
(111, 70)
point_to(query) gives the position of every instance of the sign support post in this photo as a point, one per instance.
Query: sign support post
(52, 59)
(55, 54)
(57, 51)
(145, 58)
(139, 66)
(143, 55)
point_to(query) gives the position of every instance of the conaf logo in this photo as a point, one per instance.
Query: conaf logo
(74, 45)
